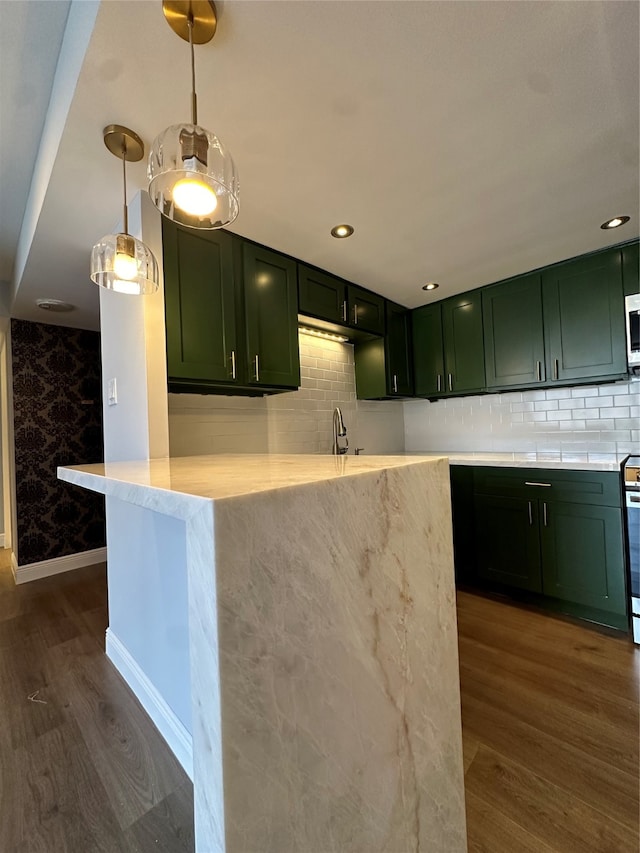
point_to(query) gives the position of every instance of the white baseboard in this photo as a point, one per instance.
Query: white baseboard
(169, 726)
(45, 568)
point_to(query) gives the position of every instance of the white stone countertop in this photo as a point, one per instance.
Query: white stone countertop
(217, 477)
(526, 460)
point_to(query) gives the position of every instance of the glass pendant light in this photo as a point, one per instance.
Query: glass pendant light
(192, 176)
(119, 261)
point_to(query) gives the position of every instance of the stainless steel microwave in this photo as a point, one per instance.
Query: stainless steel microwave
(632, 306)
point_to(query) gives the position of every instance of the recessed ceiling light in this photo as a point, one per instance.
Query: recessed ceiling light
(54, 305)
(616, 222)
(341, 231)
(430, 286)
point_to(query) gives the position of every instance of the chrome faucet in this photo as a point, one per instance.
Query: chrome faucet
(339, 431)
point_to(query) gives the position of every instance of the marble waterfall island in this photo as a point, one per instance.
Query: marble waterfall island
(322, 646)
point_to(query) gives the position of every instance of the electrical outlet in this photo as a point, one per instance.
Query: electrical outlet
(112, 392)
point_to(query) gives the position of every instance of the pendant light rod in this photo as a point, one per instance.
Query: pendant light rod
(194, 97)
(125, 210)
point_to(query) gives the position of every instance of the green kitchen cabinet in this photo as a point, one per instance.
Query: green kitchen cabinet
(631, 269)
(552, 536)
(383, 365)
(231, 311)
(199, 305)
(507, 541)
(513, 333)
(366, 310)
(582, 556)
(322, 296)
(328, 298)
(428, 350)
(584, 319)
(448, 346)
(271, 317)
(463, 521)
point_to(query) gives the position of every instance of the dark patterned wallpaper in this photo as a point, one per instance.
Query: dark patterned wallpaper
(57, 421)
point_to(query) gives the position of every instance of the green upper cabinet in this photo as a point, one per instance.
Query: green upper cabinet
(428, 350)
(271, 317)
(631, 269)
(398, 351)
(448, 351)
(383, 365)
(329, 298)
(365, 310)
(199, 305)
(513, 333)
(463, 342)
(322, 295)
(584, 318)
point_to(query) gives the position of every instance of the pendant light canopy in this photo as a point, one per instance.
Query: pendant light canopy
(119, 261)
(192, 176)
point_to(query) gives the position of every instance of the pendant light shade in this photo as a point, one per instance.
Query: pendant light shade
(121, 262)
(192, 176)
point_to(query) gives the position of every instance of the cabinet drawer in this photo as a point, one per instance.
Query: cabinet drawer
(598, 488)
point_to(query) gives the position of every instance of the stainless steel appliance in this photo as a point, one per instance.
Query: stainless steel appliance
(632, 307)
(632, 501)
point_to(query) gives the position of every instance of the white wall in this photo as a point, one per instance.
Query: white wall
(587, 423)
(294, 422)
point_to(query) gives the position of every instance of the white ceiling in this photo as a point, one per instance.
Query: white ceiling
(464, 141)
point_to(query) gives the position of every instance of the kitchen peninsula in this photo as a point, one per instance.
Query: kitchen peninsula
(322, 646)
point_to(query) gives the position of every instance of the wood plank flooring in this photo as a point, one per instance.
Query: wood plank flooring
(82, 768)
(550, 727)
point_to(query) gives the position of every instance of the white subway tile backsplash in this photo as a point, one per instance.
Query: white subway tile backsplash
(580, 420)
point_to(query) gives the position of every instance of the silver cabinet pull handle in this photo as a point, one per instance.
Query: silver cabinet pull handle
(439, 383)
(544, 513)
(395, 384)
(450, 382)
(530, 514)
(257, 370)
(233, 364)
(545, 485)
(555, 368)
(344, 310)
(539, 370)
(355, 314)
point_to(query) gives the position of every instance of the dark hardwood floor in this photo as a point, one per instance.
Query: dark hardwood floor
(551, 730)
(550, 719)
(82, 768)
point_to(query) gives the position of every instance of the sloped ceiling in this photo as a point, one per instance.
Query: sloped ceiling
(464, 141)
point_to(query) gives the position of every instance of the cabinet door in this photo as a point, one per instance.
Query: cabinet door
(428, 352)
(507, 541)
(582, 555)
(199, 304)
(271, 306)
(631, 269)
(463, 342)
(398, 351)
(513, 336)
(584, 318)
(366, 310)
(322, 295)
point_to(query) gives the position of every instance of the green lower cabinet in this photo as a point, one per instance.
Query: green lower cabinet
(507, 541)
(582, 556)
